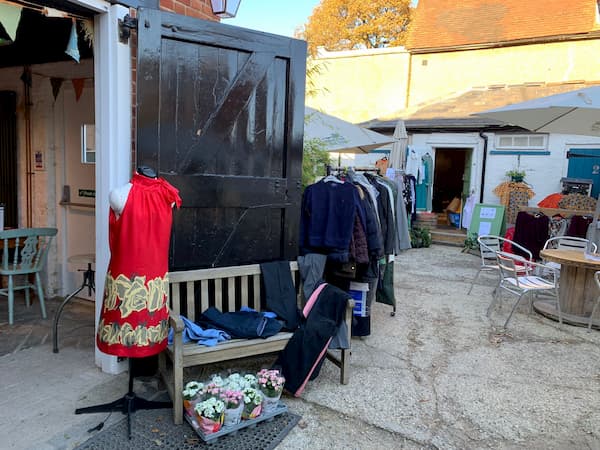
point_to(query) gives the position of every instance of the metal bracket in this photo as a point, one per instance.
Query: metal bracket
(126, 24)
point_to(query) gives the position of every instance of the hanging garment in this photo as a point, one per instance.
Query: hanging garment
(578, 226)
(385, 287)
(531, 231)
(134, 315)
(280, 293)
(467, 213)
(312, 269)
(327, 219)
(301, 358)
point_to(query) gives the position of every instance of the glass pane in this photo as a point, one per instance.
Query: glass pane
(88, 144)
(536, 141)
(521, 141)
(505, 141)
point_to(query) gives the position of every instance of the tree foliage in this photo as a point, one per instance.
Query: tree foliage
(314, 161)
(352, 24)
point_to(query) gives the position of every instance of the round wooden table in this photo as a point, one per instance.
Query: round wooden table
(577, 290)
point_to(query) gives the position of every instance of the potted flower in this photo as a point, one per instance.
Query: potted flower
(212, 390)
(252, 403)
(271, 384)
(192, 393)
(210, 415)
(516, 175)
(234, 405)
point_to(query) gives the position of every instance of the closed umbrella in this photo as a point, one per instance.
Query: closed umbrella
(398, 153)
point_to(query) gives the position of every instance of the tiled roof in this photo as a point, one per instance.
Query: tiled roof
(450, 23)
(457, 110)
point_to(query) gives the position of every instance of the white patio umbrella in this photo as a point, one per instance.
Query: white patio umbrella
(340, 136)
(398, 153)
(575, 112)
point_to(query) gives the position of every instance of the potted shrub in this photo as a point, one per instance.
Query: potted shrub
(516, 175)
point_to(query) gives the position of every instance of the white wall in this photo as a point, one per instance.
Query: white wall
(543, 172)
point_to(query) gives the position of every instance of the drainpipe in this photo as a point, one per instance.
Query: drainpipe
(26, 78)
(485, 146)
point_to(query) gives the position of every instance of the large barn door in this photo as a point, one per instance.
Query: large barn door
(220, 116)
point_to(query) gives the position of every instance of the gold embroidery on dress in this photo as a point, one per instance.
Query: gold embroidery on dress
(128, 336)
(134, 295)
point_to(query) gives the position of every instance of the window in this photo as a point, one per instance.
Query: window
(88, 143)
(521, 144)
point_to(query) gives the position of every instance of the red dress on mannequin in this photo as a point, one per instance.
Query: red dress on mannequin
(134, 317)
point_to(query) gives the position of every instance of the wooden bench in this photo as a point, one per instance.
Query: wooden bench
(228, 289)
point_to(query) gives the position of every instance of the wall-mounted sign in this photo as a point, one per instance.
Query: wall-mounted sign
(39, 160)
(89, 193)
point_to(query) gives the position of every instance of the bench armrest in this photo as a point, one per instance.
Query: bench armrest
(176, 322)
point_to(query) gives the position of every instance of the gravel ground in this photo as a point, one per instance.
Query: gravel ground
(438, 375)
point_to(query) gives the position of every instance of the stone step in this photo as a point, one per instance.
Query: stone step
(447, 236)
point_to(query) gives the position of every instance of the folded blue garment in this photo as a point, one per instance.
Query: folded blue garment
(193, 333)
(267, 314)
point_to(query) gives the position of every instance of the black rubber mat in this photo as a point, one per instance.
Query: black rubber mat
(154, 429)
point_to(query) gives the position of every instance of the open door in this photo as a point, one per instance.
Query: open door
(220, 116)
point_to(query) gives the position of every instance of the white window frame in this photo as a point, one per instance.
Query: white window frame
(528, 148)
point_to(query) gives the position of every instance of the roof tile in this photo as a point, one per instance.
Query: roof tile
(447, 23)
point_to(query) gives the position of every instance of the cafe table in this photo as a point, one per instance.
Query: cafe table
(577, 290)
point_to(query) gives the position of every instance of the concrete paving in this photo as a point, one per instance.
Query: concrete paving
(439, 374)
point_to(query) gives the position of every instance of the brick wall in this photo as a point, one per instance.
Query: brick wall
(192, 8)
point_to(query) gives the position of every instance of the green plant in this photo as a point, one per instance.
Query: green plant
(314, 161)
(516, 174)
(470, 243)
(420, 237)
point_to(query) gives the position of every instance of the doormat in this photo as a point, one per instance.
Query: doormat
(154, 429)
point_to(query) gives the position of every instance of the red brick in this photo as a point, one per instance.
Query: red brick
(447, 23)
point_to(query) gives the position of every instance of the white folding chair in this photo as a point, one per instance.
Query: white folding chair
(488, 246)
(517, 278)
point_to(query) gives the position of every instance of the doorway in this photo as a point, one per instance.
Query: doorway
(450, 176)
(8, 157)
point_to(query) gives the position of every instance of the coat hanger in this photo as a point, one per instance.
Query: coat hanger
(331, 178)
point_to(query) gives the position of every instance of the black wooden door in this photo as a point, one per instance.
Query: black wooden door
(220, 116)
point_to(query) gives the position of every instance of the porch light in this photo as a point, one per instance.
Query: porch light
(226, 9)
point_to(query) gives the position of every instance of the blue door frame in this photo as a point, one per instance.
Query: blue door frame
(585, 163)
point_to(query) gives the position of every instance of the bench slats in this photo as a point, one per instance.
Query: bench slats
(219, 294)
(191, 304)
(175, 299)
(203, 295)
(231, 294)
(256, 292)
(244, 290)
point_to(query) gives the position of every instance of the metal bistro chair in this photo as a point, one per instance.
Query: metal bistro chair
(24, 253)
(488, 246)
(516, 282)
(566, 243)
(597, 280)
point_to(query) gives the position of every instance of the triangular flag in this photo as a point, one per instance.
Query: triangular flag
(78, 86)
(72, 48)
(10, 16)
(56, 84)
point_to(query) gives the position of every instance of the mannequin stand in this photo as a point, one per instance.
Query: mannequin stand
(127, 404)
(88, 281)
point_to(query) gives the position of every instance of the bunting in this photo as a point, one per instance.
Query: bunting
(78, 86)
(56, 84)
(10, 16)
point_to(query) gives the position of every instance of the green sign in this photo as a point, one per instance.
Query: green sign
(487, 219)
(89, 193)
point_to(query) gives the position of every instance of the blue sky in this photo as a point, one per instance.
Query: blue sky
(273, 16)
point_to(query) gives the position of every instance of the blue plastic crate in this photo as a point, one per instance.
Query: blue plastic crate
(454, 219)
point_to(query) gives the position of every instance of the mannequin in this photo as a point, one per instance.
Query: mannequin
(134, 315)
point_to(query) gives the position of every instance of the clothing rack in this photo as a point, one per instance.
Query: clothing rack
(331, 169)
